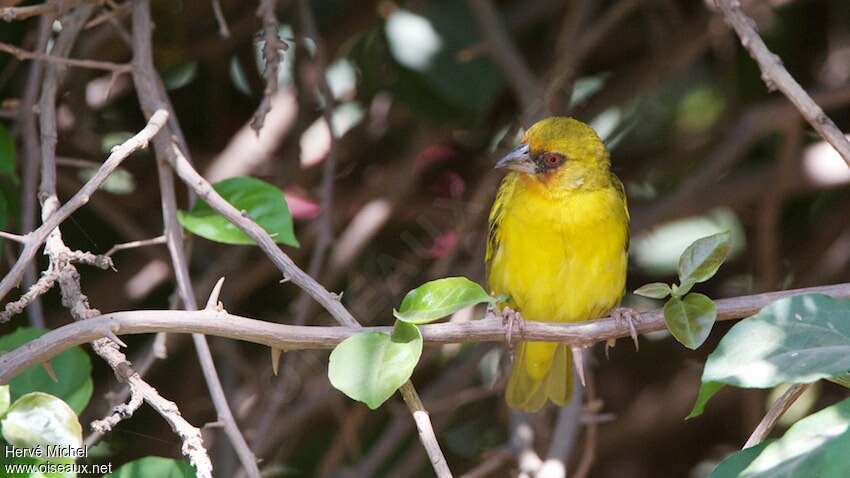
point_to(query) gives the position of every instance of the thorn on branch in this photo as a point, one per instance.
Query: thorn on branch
(51, 372)
(276, 353)
(212, 302)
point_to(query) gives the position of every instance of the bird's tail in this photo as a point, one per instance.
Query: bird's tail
(541, 370)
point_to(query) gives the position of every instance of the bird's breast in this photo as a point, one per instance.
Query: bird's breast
(562, 260)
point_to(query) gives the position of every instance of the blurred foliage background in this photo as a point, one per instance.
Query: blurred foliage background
(427, 97)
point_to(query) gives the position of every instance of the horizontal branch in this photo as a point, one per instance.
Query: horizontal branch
(22, 54)
(293, 337)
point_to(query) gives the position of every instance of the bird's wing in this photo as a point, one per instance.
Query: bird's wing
(506, 189)
(621, 191)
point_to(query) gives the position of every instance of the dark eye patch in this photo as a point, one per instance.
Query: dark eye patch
(548, 161)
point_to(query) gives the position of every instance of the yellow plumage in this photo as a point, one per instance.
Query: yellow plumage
(558, 246)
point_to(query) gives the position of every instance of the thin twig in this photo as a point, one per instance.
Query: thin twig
(72, 24)
(526, 88)
(775, 76)
(271, 57)
(223, 30)
(779, 407)
(426, 431)
(32, 160)
(9, 14)
(22, 54)
(569, 56)
(13, 237)
(134, 244)
(325, 221)
(292, 337)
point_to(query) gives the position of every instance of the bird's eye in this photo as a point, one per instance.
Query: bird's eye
(551, 160)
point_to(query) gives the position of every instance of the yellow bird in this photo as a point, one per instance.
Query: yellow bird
(558, 246)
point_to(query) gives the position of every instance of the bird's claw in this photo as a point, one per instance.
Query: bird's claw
(629, 316)
(511, 319)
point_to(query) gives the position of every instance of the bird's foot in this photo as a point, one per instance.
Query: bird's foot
(629, 316)
(511, 319)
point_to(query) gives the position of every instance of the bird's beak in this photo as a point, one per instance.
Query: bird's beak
(518, 160)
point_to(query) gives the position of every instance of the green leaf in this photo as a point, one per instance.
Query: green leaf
(706, 391)
(370, 366)
(263, 202)
(72, 367)
(815, 446)
(40, 419)
(5, 399)
(655, 290)
(7, 154)
(701, 259)
(798, 339)
(690, 319)
(154, 466)
(734, 464)
(439, 298)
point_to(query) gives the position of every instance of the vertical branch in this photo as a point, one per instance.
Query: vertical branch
(564, 436)
(32, 160)
(768, 235)
(324, 237)
(505, 54)
(426, 431)
(72, 24)
(151, 96)
(271, 55)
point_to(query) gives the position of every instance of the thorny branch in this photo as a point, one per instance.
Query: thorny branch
(293, 337)
(271, 56)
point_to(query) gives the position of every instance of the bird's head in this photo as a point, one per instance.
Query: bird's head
(559, 149)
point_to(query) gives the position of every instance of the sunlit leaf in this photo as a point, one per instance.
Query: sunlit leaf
(154, 466)
(41, 419)
(815, 446)
(690, 319)
(370, 366)
(440, 298)
(261, 201)
(72, 367)
(701, 259)
(798, 339)
(655, 290)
